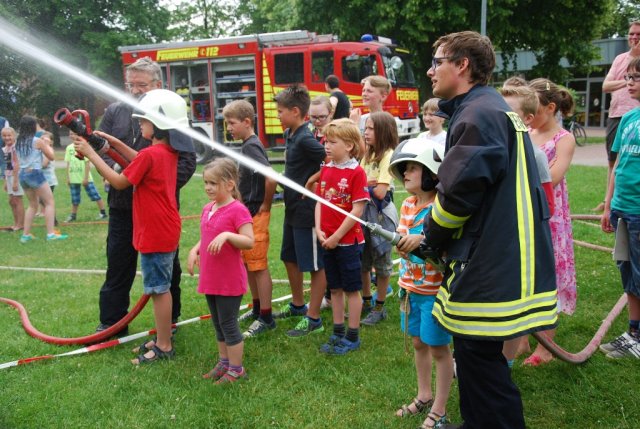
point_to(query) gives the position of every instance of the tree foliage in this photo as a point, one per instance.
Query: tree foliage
(202, 19)
(553, 29)
(85, 34)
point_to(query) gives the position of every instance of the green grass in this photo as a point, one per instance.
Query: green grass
(291, 385)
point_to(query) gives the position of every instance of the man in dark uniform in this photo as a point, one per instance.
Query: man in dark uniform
(122, 259)
(490, 222)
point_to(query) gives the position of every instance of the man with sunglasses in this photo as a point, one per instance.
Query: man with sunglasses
(122, 259)
(490, 222)
(621, 101)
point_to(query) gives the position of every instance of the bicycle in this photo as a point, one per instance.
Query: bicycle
(578, 131)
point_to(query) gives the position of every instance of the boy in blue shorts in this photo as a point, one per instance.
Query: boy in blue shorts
(79, 174)
(416, 163)
(301, 251)
(156, 221)
(622, 207)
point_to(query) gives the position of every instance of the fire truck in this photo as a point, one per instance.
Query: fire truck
(213, 72)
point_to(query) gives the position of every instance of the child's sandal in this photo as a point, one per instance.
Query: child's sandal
(231, 377)
(421, 406)
(216, 373)
(439, 421)
(157, 355)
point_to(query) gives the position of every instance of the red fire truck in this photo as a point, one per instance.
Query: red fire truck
(211, 73)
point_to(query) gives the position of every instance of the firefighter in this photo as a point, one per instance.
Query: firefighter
(490, 221)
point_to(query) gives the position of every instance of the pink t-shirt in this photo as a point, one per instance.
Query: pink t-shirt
(621, 101)
(224, 273)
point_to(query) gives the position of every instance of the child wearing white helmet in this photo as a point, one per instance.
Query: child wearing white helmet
(415, 162)
(156, 221)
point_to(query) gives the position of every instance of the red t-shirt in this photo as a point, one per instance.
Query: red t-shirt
(156, 221)
(342, 185)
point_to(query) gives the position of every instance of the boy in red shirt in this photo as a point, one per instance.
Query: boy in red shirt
(156, 221)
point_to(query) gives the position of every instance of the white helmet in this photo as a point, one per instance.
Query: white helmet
(166, 110)
(423, 151)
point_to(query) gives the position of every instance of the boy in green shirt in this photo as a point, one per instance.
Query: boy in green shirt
(79, 173)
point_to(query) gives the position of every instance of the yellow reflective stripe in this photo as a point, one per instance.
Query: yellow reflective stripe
(499, 309)
(525, 220)
(446, 219)
(517, 122)
(496, 328)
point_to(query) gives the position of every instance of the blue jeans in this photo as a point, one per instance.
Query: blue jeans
(630, 270)
(156, 272)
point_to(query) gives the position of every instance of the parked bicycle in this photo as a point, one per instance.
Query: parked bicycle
(576, 128)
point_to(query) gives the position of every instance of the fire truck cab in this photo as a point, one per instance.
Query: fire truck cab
(211, 73)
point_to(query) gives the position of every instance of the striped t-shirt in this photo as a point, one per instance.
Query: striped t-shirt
(415, 274)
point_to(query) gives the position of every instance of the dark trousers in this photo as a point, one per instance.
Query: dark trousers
(122, 262)
(488, 397)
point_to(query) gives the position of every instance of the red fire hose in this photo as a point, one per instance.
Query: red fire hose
(89, 339)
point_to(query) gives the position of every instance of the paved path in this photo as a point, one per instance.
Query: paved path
(593, 155)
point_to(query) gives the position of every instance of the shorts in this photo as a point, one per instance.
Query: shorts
(31, 178)
(90, 189)
(612, 128)
(630, 270)
(256, 258)
(382, 263)
(342, 267)
(10, 191)
(156, 272)
(301, 246)
(421, 322)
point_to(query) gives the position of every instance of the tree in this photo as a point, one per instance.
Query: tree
(202, 19)
(85, 34)
(552, 29)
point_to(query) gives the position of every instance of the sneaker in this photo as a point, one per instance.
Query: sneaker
(345, 346)
(25, 238)
(376, 315)
(374, 297)
(56, 237)
(618, 343)
(258, 327)
(289, 311)
(366, 307)
(304, 328)
(325, 304)
(327, 347)
(249, 315)
(631, 349)
(71, 218)
(102, 216)
(102, 327)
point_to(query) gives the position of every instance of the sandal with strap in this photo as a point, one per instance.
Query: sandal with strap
(439, 421)
(157, 355)
(217, 372)
(231, 377)
(421, 406)
(147, 346)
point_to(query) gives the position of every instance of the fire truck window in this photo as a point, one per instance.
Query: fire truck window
(289, 68)
(321, 65)
(356, 67)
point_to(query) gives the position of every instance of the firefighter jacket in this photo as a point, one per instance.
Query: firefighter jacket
(490, 218)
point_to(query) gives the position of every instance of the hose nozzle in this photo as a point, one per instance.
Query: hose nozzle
(378, 230)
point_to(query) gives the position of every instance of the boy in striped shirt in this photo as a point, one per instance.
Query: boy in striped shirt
(416, 163)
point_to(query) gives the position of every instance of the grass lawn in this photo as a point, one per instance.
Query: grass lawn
(291, 385)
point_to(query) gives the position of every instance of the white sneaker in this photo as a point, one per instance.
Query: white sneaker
(632, 349)
(618, 343)
(325, 303)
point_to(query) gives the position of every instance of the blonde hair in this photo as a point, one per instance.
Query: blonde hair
(11, 129)
(225, 170)
(431, 105)
(240, 110)
(380, 82)
(345, 130)
(526, 96)
(322, 100)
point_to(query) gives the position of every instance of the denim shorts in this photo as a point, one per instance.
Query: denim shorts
(421, 322)
(342, 268)
(630, 270)
(156, 272)
(90, 189)
(31, 179)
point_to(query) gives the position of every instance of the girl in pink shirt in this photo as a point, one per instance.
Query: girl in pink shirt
(226, 229)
